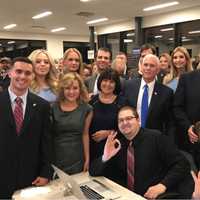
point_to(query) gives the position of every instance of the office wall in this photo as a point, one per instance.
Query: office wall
(54, 42)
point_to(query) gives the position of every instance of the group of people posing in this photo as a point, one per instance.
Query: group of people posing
(127, 126)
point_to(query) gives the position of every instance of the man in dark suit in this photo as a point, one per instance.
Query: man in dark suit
(103, 60)
(24, 133)
(160, 97)
(158, 166)
(187, 112)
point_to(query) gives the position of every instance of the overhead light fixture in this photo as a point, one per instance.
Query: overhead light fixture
(194, 32)
(85, 0)
(97, 20)
(10, 26)
(186, 39)
(158, 36)
(58, 29)
(128, 40)
(130, 34)
(171, 39)
(44, 14)
(160, 6)
(11, 42)
(167, 29)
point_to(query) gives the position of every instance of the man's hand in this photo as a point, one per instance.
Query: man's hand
(154, 191)
(112, 146)
(192, 136)
(196, 193)
(40, 181)
(100, 135)
(86, 166)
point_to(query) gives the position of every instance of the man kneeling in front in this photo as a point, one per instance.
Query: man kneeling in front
(143, 160)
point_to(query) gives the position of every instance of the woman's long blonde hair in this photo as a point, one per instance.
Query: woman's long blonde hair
(173, 70)
(66, 81)
(51, 76)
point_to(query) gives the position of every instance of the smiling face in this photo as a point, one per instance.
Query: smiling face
(72, 62)
(179, 60)
(21, 75)
(103, 60)
(107, 86)
(41, 65)
(164, 63)
(72, 91)
(128, 123)
(150, 68)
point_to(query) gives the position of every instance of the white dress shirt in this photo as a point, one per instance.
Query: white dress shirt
(140, 95)
(13, 97)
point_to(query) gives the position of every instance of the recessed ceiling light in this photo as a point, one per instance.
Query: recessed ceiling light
(186, 39)
(167, 29)
(130, 34)
(171, 39)
(44, 14)
(97, 20)
(193, 32)
(10, 26)
(58, 29)
(85, 0)
(128, 40)
(158, 36)
(11, 42)
(160, 6)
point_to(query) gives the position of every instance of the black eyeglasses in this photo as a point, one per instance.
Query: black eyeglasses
(125, 119)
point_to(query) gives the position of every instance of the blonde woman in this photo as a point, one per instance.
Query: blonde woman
(71, 120)
(181, 63)
(72, 61)
(44, 83)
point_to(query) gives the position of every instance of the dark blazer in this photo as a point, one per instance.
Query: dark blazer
(25, 156)
(157, 160)
(90, 82)
(160, 114)
(186, 105)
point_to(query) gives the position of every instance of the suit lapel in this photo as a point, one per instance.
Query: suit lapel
(29, 112)
(135, 91)
(154, 98)
(8, 112)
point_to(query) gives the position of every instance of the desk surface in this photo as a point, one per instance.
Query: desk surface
(124, 193)
(80, 178)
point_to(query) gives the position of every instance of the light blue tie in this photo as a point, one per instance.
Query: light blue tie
(144, 107)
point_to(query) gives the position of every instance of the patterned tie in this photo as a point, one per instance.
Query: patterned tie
(144, 107)
(130, 167)
(18, 114)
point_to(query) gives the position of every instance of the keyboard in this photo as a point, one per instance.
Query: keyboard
(90, 193)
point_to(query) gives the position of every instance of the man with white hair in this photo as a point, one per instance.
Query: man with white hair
(152, 99)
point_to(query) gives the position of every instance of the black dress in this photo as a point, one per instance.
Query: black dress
(104, 118)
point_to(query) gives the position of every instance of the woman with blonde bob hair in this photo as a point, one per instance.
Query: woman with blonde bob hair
(72, 61)
(71, 116)
(44, 83)
(181, 63)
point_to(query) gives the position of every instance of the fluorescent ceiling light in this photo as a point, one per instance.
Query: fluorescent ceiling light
(193, 32)
(11, 42)
(167, 29)
(158, 36)
(171, 39)
(128, 40)
(97, 20)
(186, 39)
(130, 34)
(44, 14)
(58, 29)
(10, 26)
(160, 6)
(85, 0)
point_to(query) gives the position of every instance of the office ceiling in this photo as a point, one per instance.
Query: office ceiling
(65, 13)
